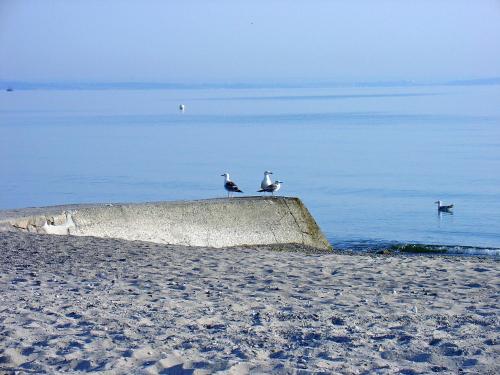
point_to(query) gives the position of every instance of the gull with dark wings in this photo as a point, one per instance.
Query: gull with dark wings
(272, 188)
(444, 208)
(230, 186)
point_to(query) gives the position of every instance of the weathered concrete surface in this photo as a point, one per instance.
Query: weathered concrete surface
(212, 222)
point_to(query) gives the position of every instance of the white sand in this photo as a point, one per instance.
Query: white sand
(82, 303)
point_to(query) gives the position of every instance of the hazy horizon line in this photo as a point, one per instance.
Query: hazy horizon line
(143, 85)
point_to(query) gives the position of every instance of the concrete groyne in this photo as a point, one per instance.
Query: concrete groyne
(211, 222)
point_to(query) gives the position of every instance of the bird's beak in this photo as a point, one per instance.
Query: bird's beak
(436, 202)
(222, 175)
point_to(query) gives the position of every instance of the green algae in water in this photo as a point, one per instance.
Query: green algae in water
(418, 249)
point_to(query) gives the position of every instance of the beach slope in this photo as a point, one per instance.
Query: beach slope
(74, 303)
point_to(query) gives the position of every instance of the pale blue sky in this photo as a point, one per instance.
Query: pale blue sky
(231, 41)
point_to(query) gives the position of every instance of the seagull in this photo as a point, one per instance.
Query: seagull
(267, 180)
(182, 107)
(272, 188)
(229, 185)
(444, 208)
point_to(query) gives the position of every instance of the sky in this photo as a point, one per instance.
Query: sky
(227, 41)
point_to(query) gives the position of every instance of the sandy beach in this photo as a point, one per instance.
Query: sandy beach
(118, 307)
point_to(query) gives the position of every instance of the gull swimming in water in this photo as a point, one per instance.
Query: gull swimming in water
(267, 180)
(272, 188)
(229, 185)
(444, 208)
(182, 107)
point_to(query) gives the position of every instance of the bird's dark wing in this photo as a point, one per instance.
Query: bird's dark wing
(231, 186)
(446, 208)
(270, 188)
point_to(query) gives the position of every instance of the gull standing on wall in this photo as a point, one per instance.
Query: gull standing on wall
(229, 185)
(272, 188)
(267, 180)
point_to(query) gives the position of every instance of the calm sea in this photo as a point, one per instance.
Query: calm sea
(369, 162)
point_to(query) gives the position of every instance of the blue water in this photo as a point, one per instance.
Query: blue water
(369, 162)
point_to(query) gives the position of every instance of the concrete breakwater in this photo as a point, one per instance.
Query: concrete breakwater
(211, 222)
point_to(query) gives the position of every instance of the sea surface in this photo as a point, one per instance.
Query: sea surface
(369, 162)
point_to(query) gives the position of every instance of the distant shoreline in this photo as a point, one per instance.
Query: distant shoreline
(72, 85)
